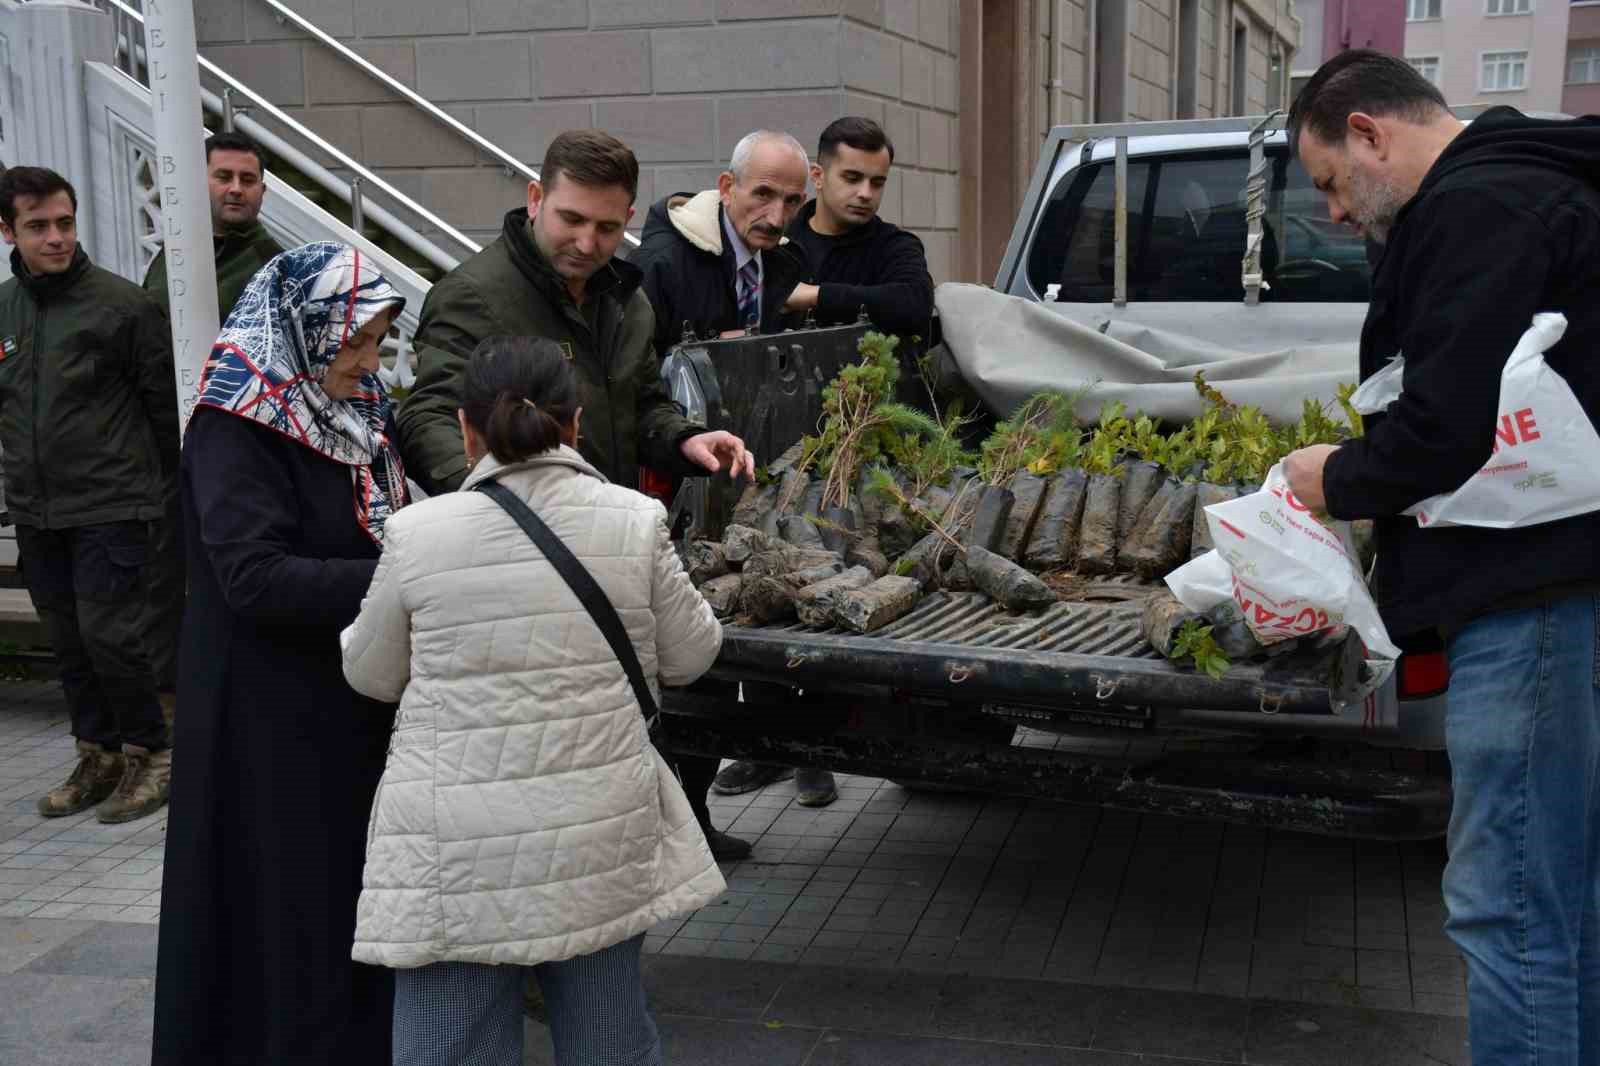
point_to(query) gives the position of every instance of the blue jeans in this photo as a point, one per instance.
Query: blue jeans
(470, 1014)
(1523, 881)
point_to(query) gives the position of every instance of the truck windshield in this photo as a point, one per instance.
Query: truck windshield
(1186, 234)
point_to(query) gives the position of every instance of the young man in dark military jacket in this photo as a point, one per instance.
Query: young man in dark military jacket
(89, 428)
(552, 273)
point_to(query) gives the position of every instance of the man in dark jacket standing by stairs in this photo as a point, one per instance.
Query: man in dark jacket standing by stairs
(89, 428)
(552, 273)
(235, 176)
(1483, 226)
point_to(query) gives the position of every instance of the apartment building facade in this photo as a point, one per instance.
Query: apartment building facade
(967, 89)
(1329, 27)
(1581, 94)
(1491, 51)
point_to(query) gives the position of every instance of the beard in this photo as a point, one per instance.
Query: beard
(1376, 203)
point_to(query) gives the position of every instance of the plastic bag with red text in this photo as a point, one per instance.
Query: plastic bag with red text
(1292, 573)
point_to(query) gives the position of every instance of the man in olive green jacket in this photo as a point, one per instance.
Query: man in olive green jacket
(234, 174)
(89, 431)
(551, 273)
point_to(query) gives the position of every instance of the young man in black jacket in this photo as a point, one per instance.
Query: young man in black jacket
(1482, 226)
(89, 425)
(854, 260)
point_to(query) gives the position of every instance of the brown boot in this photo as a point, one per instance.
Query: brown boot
(143, 788)
(94, 778)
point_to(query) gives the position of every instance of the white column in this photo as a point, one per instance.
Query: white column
(185, 204)
(48, 42)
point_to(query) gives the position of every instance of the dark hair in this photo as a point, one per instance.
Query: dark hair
(235, 142)
(31, 181)
(591, 157)
(1360, 80)
(862, 134)
(520, 393)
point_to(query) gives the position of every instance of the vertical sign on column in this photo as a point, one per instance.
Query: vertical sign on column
(185, 203)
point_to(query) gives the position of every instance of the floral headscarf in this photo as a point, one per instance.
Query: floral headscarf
(274, 351)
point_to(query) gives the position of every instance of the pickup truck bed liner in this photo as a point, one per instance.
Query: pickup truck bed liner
(1079, 654)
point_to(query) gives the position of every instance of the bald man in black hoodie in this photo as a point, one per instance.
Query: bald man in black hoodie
(1483, 226)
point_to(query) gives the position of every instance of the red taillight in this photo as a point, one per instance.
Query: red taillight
(1423, 674)
(654, 483)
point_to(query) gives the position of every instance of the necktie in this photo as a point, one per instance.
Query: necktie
(749, 294)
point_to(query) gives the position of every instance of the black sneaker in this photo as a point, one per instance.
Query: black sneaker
(814, 788)
(725, 848)
(744, 776)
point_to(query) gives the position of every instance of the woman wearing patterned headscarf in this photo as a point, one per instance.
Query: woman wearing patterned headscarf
(288, 476)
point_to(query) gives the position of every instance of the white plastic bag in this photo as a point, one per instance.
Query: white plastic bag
(1291, 573)
(1381, 389)
(1546, 460)
(1206, 586)
(1202, 583)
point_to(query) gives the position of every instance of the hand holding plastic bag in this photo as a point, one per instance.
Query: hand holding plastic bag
(1543, 467)
(1293, 574)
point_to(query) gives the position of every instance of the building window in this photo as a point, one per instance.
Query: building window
(1503, 72)
(1422, 10)
(1427, 66)
(1583, 66)
(1510, 7)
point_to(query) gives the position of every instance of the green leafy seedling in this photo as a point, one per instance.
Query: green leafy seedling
(1195, 643)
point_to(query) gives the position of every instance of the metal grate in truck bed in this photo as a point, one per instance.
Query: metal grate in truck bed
(972, 620)
(1084, 651)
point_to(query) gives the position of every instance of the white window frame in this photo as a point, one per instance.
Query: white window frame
(1589, 55)
(1526, 62)
(1411, 6)
(1489, 8)
(1438, 67)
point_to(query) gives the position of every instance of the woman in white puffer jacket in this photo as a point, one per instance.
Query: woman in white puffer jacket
(523, 818)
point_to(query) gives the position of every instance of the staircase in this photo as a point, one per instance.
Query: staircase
(338, 209)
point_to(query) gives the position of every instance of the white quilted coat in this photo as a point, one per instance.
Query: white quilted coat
(523, 816)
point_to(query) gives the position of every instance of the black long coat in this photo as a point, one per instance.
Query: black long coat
(276, 761)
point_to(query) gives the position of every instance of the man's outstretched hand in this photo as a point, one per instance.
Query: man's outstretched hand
(720, 450)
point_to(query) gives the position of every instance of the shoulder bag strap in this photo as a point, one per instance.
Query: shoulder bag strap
(583, 585)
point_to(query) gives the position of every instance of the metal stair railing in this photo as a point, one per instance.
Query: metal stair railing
(131, 61)
(129, 26)
(508, 162)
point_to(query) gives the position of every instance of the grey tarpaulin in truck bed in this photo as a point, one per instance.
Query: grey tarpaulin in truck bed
(1271, 355)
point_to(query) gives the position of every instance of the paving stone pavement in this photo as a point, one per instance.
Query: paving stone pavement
(890, 927)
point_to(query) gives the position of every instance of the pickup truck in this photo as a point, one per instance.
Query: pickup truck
(1135, 232)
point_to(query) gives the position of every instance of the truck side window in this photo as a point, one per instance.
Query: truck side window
(1186, 234)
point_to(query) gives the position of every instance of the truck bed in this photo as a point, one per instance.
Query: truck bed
(1075, 655)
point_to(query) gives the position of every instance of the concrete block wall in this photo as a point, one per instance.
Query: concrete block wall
(1151, 66)
(898, 66)
(679, 80)
(1207, 72)
(1072, 58)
